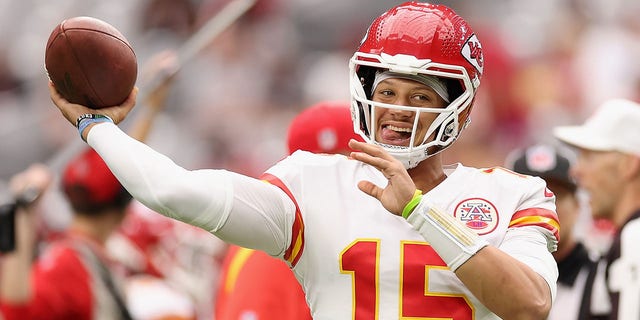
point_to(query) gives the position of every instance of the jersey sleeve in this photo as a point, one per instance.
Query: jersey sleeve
(537, 209)
(236, 208)
(533, 232)
(288, 180)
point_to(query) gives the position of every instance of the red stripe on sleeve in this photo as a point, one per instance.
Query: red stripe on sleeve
(544, 218)
(296, 246)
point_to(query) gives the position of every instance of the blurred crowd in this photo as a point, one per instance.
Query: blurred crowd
(548, 63)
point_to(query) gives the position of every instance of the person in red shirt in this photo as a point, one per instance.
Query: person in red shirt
(74, 277)
(254, 285)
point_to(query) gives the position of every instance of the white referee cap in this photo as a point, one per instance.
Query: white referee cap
(615, 126)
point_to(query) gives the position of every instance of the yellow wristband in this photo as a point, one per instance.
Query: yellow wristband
(417, 196)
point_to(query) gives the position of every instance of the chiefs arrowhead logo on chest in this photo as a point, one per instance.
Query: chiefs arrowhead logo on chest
(478, 214)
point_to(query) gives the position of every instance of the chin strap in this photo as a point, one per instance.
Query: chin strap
(454, 242)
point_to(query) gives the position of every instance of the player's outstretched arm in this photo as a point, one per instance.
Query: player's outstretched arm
(214, 200)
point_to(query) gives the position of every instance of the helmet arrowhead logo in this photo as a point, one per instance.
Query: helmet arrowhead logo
(472, 52)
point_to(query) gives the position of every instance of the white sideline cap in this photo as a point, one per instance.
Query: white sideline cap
(614, 126)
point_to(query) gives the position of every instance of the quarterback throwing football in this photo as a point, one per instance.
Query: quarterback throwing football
(389, 232)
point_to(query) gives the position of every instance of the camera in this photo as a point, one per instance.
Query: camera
(7, 220)
(8, 207)
(7, 227)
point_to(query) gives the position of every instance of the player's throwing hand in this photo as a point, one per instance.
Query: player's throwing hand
(72, 112)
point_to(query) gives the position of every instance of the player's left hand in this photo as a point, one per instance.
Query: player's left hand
(400, 189)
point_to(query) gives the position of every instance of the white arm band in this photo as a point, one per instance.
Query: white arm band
(454, 242)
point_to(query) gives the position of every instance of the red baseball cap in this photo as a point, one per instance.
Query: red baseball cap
(325, 127)
(89, 184)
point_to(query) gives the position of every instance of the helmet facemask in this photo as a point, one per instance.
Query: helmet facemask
(416, 39)
(441, 132)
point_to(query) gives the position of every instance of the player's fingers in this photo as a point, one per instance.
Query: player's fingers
(118, 113)
(53, 92)
(370, 189)
(369, 154)
(370, 149)
(69, 110)
(72, 111)
(379, 163)
(57, 99)
(127, 105)
(389, 168)
(377, 157)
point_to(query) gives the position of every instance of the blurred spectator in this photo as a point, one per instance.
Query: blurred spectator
(578, 268)
(608, 168)
(268, 63)
(168, 261)
(74, 278)
(174, 16)
(556, 59)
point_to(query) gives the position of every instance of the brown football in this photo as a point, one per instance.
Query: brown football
(90, 62)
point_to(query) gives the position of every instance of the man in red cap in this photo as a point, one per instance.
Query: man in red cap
(254, 285)
(72, 279)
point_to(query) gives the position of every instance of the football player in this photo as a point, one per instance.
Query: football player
(253, 284)
(389, 232)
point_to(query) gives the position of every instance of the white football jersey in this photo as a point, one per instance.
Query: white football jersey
(356, 260)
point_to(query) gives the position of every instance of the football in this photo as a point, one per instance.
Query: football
(90, 62)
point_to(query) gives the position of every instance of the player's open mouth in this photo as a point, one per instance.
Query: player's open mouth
(394, 135)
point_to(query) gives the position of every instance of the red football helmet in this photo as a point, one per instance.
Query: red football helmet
(418, 39)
